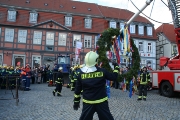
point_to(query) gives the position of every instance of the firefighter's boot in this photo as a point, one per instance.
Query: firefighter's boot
(58, 94)
(54, 93)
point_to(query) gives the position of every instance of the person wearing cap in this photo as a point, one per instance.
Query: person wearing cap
(144, 81)
(58, 82)
(92, 80)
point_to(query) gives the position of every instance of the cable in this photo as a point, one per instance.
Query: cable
(149, 17)
(164, 3)
(152, 8)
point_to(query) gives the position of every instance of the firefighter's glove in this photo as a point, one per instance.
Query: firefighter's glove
(76, 105)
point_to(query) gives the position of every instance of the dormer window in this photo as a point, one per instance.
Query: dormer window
(11, 15)
(121, 25)
(149, 31)
(33, 17)
(141, 30)
(132, 29)
(88, 22)
(68, 20)
(112, 24)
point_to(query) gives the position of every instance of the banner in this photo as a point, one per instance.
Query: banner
(78, 49)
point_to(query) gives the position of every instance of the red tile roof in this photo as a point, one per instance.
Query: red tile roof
(100, 14)
(168, 31)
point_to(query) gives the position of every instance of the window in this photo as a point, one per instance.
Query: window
(9, 35)
(149, 47)
(141, 46)
(132, 28)
(96, 40)
(11, 15)
(149, 30)
(122, 25)
(141, 30)
(22, 36)
(1, 59)
(76, 38)
(77, 62)
(49, 38)
(112, 24)
(87, 41)
(62, 39)
(37, 37)
(143, 61)
(68, 21)
(49, 48)
(124, 60)
(36, 61)
(33, 17)
(88, 23)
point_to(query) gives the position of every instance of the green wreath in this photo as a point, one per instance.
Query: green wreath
(104, 43)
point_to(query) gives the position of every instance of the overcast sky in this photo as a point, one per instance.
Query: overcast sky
(160, 11)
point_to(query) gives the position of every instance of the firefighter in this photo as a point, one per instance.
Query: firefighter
(144, 81)
(59, 82)
(92, 79)
(28, 77)
(73, 78)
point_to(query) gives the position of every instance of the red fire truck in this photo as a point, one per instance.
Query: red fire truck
(168, 82)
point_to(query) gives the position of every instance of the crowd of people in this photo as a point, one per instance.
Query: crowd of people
(25, 75)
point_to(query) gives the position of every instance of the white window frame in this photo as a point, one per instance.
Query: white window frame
(124, 60)
(68, 21)
(22, 38)
(2, 59)
(149, 31)
(50, 41)
(88, 23)
(141, 30)
(62, 39)
(140, 49)
(133, 29)
(87, 39)
(112, 24)
(149, 47)
(121, 25)
(10, 36)
(76, 38)
(11, 15)
(77, 62)
(37, 40)
(33, 59)
(143, 61)
(33, 17)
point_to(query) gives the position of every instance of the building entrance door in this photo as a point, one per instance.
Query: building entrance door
(19, 59)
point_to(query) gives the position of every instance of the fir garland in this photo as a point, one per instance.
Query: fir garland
(104, 43)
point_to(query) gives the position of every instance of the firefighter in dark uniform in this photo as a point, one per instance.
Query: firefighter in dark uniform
(58, 82)
(144, 81)
(92, 80)
(73, 78)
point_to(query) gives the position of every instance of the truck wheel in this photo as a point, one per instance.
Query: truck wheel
(167, 89)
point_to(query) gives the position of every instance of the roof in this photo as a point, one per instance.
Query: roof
(56, 9)
(168, 31)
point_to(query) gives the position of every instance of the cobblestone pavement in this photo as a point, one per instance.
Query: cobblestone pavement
(40, 104)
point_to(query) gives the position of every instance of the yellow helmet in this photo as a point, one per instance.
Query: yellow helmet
(91, 59)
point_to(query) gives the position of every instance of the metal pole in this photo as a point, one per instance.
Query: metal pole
(17, 96)
(135, 15)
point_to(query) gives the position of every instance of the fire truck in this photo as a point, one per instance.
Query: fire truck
(168, 81)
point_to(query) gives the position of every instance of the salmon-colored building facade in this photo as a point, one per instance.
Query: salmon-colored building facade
(35, 32)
